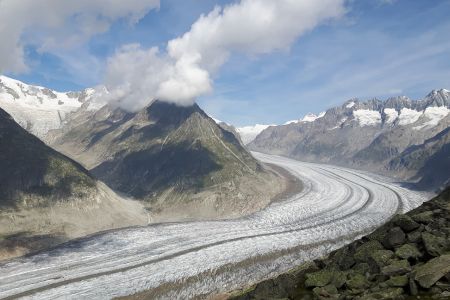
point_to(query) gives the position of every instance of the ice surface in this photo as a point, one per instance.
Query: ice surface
(336, 205)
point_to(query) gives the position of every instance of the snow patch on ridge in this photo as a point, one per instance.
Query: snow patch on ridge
(434, 115)
(391, 115)
(408, 116)
(350, 105)
(366, 117)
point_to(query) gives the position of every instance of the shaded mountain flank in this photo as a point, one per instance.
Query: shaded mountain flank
(175, 159)
(397, 137)
(47, 198)
(407, 258)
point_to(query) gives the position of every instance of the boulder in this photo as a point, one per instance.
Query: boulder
(434, 245)
(394, 238)
(413, 290)
(398, 281)
(405, 222)
(357, 281)
(363, 252)
(326, 292)
(444, 295)
(424, 217)
(382, 257)
(428, 274)
(344, 259)
(396, 267)
(415, 236)
(361, 268)
(408, 251)
(319, 279)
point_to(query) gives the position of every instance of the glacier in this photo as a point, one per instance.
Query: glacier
(199, 258)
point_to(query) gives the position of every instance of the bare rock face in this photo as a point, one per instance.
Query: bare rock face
(399, 137)
(47, 198)
(33, 174)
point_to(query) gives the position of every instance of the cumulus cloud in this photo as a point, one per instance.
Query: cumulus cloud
(58, 25)
(183, 71)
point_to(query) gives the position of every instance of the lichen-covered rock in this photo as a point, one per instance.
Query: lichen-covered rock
(434, 245)
(344, 259)
(405, 222)
(394, 237)
(319, 279)
(444, 295)
(363, 252)
(361, 268)
(408, 251)
(396, 267)
(356, 282)
(393, 293)
(398, 281)
(413, 289)
(379, 233)
(415, 236)
(382, 257)
(429, 273)
(423, 217)
(326, 292)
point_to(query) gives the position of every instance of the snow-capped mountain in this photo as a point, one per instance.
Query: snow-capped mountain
(364, 134)
(249, 133)
(39, 109)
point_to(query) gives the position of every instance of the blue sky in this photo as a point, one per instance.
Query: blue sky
(378, 49)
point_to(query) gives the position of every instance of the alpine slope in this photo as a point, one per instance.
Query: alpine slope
(198, 259)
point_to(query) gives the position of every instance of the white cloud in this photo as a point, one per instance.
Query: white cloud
(58, 25)
(184, 71)
(135, 76)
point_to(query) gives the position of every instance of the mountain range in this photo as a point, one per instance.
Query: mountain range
(72, 165)
(399, 137)
(174, 160)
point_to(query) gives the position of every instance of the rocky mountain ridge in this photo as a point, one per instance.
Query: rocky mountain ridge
(374, 135)
(175, 159)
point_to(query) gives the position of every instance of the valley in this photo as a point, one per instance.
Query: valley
(224, 150)
(195, 259)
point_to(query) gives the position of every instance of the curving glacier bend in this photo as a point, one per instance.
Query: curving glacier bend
(196, 259)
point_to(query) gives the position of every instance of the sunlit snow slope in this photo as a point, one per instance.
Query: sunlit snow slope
(183, 260)
(39, 109)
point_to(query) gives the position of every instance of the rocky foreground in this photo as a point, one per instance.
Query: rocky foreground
(407, 258)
